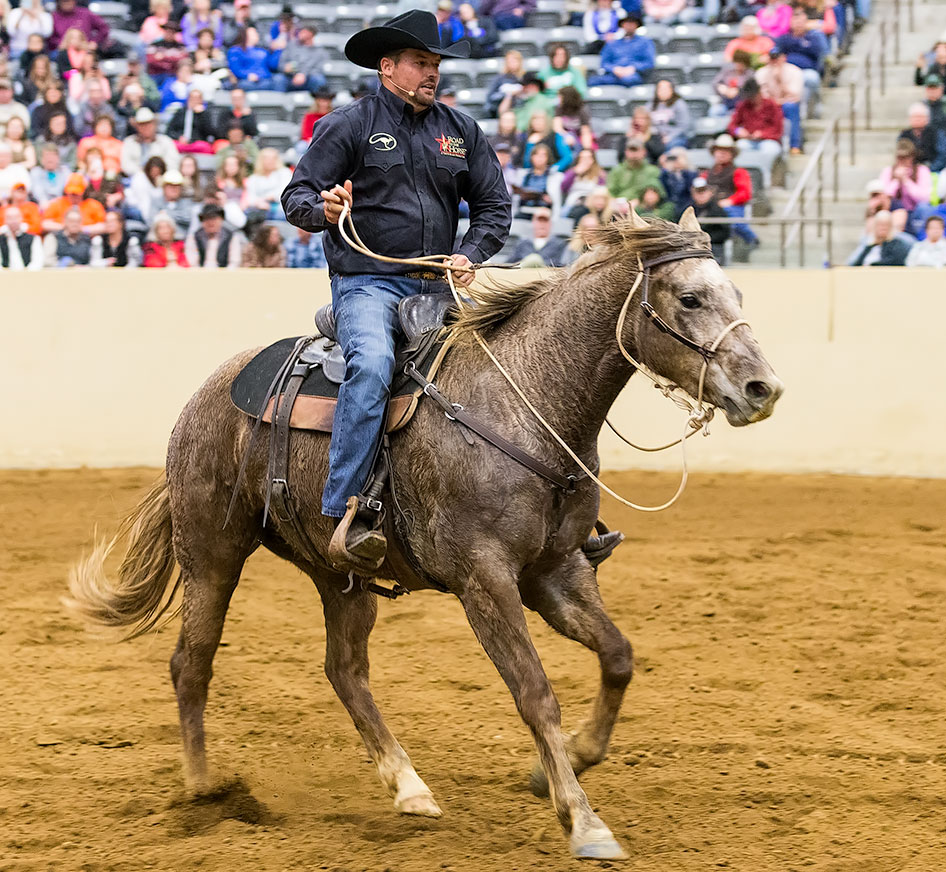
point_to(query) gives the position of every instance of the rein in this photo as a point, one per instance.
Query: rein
(699, 415)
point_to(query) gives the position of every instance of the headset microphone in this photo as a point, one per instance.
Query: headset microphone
(396, 85)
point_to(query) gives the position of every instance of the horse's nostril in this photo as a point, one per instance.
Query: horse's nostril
(759, 391)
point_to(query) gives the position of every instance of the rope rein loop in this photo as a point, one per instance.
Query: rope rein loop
(698, 417)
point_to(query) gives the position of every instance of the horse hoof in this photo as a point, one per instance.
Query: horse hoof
(422, 804)
(539, 781)
(597, 846)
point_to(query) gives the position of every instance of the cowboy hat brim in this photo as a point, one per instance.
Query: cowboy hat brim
(368, 46)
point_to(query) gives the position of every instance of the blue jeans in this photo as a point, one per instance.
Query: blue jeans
(612, 79)
(367, 326)
(283, 82)
(508, 21)
(792, 113)
(743, 231)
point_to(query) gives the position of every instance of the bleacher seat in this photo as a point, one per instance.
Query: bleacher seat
(206, 163)
(608, 157)
(698, 98)
(268, 105)
(533, 41)
(277, 134)
(471, 100)
(115, 14)
(707, 128)
(611, 131)
(489, 126)
(487, 69)
(460, 73)
(339, 75)
(125, 37)
(705, 66)
(299, 104)
(382, 13)
(521, 228)
(658, 33)
(334, 44)
(606, 101)
(563, 227)
(689, 38)
(114, 68)
(547, 14)
(719, 36)
(673, 67)
(349, 19)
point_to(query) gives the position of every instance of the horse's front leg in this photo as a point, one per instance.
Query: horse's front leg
(568, 599)
(349, 619)
(494, 609)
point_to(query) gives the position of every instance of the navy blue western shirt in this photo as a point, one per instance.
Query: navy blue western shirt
(408, 172)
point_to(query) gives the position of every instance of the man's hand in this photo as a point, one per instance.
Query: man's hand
(464, 279)
(298, 79)
(334, 201)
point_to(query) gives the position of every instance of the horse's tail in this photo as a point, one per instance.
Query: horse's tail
(136, 598)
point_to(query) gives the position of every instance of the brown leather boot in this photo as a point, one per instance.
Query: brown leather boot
(356, 545)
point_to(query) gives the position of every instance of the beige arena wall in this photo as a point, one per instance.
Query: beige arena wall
(95, 367)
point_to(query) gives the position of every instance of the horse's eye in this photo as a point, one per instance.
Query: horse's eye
(690, 301)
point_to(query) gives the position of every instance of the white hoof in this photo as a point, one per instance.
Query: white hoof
(597, 844)
(422, 804)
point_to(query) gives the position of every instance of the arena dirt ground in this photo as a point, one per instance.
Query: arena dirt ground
(787, 711)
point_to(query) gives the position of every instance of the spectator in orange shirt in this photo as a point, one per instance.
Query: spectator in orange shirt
(751, 40)
(29, 211)
(103, 138)
(91, 211)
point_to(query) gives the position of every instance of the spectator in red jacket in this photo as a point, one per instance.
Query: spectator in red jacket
(731, 185)
(69, 14)
(164, 250)
(757, 122)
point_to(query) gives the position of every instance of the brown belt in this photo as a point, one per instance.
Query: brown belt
(429, 275)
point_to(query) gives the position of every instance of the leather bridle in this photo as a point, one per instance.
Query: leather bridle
(704, 350)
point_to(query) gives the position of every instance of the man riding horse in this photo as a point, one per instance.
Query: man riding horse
(406, 161)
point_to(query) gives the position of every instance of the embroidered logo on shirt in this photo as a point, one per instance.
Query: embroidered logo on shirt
(383, 141)
(452, 146)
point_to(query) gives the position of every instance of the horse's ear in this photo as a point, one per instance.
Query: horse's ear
(688, 220)
(637, 223)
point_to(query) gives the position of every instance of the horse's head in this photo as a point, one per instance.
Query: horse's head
(680, 313)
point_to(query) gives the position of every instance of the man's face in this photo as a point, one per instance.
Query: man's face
(212, 225)
(878, 202)
(195, 99)
(147, 130)
(701, 196)
(172, 193)
(882, 227)
(67, 5)
(934, 231)
(323, 105)
(634, 154)
(934, 93)
(235, 135)
(723, 156)
(14, 219)
(541, 225)
(95, 92)
(466, 12)
(306, 35)
(6, 94)
(628, 28)
(417, 71)
(238, 99)
(72, 223)
(799, 22)
(112, 223)
(51, 160)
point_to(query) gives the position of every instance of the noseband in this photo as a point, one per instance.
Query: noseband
(704, 350)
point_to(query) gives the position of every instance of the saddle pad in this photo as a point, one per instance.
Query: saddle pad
(314, 408)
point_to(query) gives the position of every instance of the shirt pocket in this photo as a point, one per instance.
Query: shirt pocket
(383, 160)
(453, 165)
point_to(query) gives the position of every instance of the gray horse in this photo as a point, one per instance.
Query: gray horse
(476, 523)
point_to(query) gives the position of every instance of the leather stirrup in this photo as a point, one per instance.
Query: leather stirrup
(373, 543)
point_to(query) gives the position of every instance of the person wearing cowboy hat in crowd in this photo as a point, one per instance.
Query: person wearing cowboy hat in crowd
(402, 161)
(732, 184)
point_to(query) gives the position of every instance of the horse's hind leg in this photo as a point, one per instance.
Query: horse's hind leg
(494, 609)
(349, 619)
(569, 601)
(210, 568)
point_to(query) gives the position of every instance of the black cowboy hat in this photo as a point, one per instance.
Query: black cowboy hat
(414, 29)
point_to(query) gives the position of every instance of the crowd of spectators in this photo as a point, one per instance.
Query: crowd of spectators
(907, 202)
(122, 159)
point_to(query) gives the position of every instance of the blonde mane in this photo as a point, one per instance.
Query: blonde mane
(622, 239)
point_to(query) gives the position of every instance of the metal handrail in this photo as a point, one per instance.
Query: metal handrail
(861, 92)
(782, 223)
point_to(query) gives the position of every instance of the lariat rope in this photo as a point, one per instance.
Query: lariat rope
(699, 415)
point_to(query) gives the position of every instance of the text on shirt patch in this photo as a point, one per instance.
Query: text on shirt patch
(383, 141)
(452, 146)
